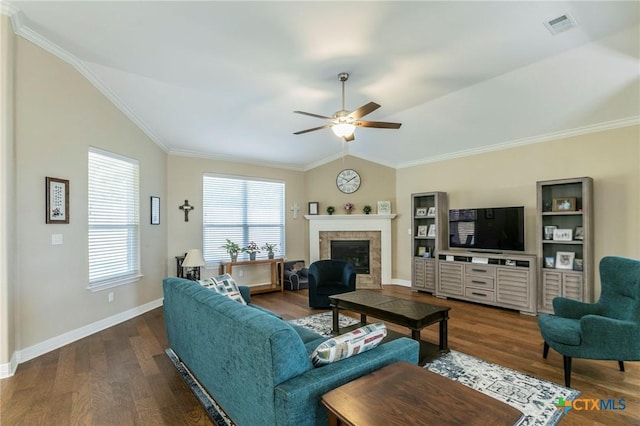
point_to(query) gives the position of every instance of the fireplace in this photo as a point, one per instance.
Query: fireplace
(354, 251)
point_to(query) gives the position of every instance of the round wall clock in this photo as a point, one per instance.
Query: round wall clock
(348, 181)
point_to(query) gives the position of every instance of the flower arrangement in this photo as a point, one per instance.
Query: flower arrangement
(232, 248)
(252, 247)
(331, 209)
(348, 207)
(269, 248)
(366, 209)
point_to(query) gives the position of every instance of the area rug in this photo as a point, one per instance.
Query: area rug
(534, 397)
(216, 413)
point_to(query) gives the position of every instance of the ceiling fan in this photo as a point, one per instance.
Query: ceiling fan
(343, 123)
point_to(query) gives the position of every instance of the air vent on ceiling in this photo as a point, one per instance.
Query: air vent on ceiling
(560, 24)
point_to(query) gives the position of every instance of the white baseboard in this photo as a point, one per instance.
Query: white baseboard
(403, 283)
(9, 369)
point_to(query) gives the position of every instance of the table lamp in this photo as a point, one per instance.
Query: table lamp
(193, 261)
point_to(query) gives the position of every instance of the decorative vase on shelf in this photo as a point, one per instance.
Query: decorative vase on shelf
(270, 255)
(234, 257)
(252, 256)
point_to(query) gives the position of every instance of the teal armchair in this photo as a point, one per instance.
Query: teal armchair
(606, 330)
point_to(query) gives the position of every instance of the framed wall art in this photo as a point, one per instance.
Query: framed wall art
(384, 207)
(567, 204)
(421, 211)
(57, 200)
(155, 210)
(313, 207)
(432, 231)
(562, 234)
(564, 259)
(422, 231)
(431, 212)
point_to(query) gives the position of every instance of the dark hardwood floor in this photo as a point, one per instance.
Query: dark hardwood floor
(121, 376)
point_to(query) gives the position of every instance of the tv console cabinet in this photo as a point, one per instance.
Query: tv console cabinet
(504, 280)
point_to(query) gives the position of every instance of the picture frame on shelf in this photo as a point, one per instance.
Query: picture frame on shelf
(564, 259)
(548, 231)
(431, 212)
(314, 207)
(384, 207)
(422, 231)
(421, 211)
(578, 233)
(57, 200)
(155, 210)
(549, 262)
(562, 235)
(422, 250)
(566, 204)
(578, 265)
(432, 230)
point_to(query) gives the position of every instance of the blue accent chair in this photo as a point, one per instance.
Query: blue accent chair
(329, 277)
(606, 330)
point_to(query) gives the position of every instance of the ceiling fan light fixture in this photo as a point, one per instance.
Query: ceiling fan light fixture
(343, 129)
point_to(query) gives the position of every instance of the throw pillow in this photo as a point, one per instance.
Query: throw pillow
(226, 285)
(346, 345)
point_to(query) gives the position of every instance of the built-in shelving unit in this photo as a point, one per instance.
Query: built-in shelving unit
(565, 240)
(429, 226)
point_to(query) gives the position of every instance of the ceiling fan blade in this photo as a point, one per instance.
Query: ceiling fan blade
(311, 130)
(364, 110)
(378, 124)
(349, 138)
(313, 115)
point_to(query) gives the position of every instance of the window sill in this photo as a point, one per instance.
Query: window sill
(104, 285)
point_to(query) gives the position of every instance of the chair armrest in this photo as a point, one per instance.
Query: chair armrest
(569, 308)
(301, 395)
(612, 334)
(292, 277)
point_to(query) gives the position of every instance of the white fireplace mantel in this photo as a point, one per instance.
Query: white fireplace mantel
(353, 222)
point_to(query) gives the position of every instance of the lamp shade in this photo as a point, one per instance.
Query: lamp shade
(193, 259)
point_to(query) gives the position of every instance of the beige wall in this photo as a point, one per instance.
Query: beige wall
(185, 183)
(508, 177)
(59, 114)
(7, 194)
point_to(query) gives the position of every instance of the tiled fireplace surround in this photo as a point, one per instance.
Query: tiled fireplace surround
(375, 228)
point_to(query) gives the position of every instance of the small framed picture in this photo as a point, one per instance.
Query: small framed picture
(549, 262)
(564, 259)
(422, 231)
(313, 207)
(432, 230)
(431, 212)
(422, 251)
(567, 204)
(155, 210)
(57, 200)
(562, 235)
(579, 233)
(421, 211)
(384, 207)
(578, 265)
(548, 232)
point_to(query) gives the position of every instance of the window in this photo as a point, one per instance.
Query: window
(242, 210)
(113, 220)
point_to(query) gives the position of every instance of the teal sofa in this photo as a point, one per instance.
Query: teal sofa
(254, 364)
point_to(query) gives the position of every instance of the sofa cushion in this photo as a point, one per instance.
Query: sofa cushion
(346, 345)
(226, 285)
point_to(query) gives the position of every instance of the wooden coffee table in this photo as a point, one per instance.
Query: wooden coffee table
(404, 394)
(407, 313)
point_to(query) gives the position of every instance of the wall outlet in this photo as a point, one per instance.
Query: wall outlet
(240, 273)
(409, 231)
(110, 296)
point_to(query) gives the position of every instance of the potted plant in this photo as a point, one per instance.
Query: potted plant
(366, 209)
(252, 248)
(331, 209)
(233, 249)
(269, 249)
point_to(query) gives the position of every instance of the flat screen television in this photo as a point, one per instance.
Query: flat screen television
(487, 229)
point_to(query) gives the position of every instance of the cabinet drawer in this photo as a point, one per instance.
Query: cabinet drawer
(480, 295)
(480, 270)
(479, 282)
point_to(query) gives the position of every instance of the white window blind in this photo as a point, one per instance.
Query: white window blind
(242, 210)
(113, 220)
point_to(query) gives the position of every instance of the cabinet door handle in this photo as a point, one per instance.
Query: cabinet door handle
(478, 294)
(478, 270)
(477, 282)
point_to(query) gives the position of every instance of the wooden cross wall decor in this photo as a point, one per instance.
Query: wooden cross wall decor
(187, 208)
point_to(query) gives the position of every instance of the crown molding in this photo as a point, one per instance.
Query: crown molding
(27, 33)
(594, 128)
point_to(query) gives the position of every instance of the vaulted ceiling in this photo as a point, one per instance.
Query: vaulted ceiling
(222, 79)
